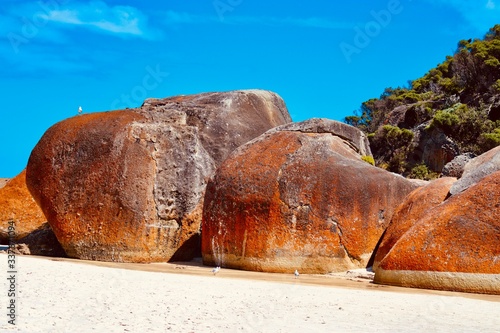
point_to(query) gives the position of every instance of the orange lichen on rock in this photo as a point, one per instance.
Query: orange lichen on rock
(415, 205)
(93, 181)
(17, 204)
(128, 185)
(297, 198)
(454, 246)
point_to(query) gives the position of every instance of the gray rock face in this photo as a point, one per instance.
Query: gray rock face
(435, 148)
(224, 121)
(455, 168)
(181, 166)
(128, 185)
(397, 116)
(476, 169)
(352, 136)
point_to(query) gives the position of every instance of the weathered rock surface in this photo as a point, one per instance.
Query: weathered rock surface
(454, 246)
(434, 148)
(476, 169)
(455, 168)
(129, 185)
(415, 205)
(299, 197)
(353, 137)
(224, 121)
(17, 204)
(408, 116)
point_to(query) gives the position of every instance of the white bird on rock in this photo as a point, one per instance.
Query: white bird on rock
(80, 110)
(216, 270)
(296, 274)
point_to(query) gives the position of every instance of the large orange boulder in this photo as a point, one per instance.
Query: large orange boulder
(453, 246)
(415, 205)
(299, 197)
(128, 185)
(17, 205)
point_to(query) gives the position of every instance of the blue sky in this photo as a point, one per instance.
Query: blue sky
(323, 57)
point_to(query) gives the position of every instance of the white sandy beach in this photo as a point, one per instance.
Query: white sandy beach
(72, 296)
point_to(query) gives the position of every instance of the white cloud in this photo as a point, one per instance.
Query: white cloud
(63, 16)
(123, 21)
(98, 15)
(490, 4)
(41, 39)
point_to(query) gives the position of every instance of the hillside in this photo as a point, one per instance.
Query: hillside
(454, 109)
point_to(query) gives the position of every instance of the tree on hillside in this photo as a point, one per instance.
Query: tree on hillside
(460, 97)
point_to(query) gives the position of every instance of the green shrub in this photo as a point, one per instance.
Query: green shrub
(384, 166)
(471, 76)
(421, 84)
(449, 120)
(398, 161)
(392, 145)
(421, 171)
(449, 85)
(445, 120)
(395, 136)
(368, 159)
(492, 62)
(496, 86)
(490, 140)
(466, 126)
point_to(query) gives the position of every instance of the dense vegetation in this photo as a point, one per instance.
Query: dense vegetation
(460, 98)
